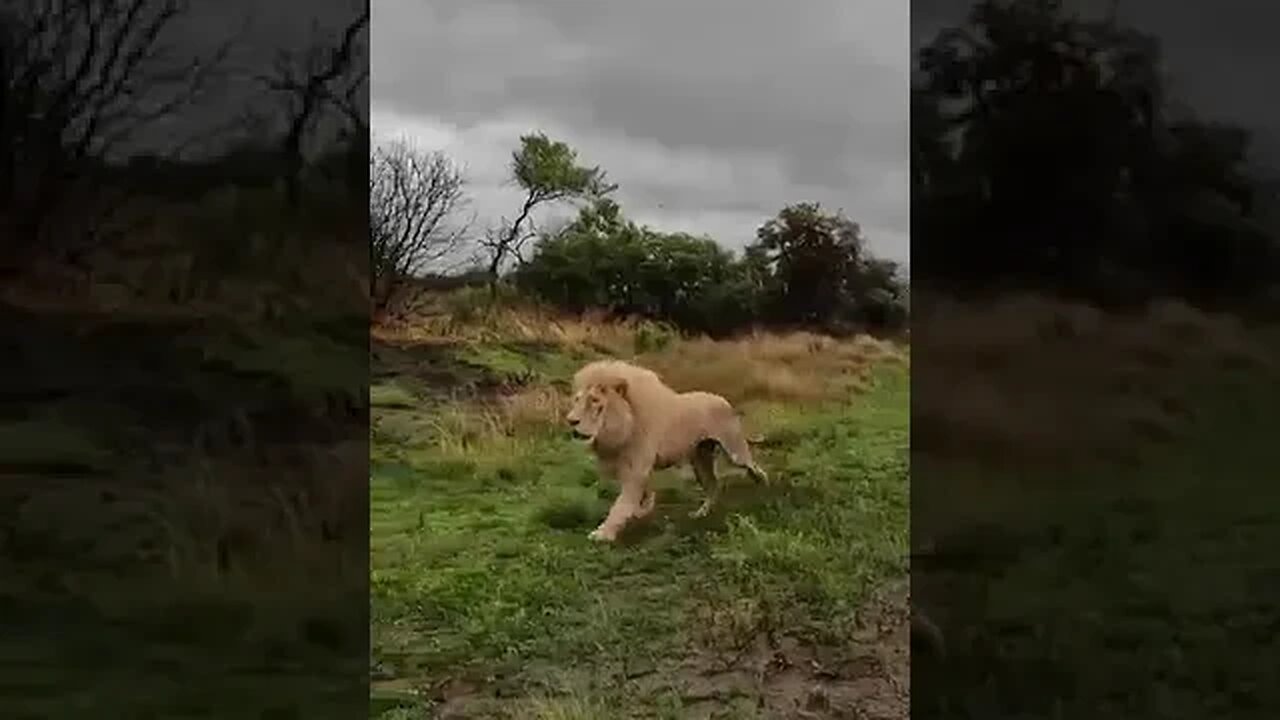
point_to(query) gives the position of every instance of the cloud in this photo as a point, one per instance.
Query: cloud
(711, 116)
(692, 191)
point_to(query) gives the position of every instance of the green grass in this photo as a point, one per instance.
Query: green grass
(1114, 592)
(521, 363)
(483, 576)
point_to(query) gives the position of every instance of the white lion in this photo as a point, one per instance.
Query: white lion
(635, 424)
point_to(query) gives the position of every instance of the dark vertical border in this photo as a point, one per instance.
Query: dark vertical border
(1095, 366)
(183, 407)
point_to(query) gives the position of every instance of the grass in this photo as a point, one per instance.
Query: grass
(1118, 564)
(165, 549)
(487, 597)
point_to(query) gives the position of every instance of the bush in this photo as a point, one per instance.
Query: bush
(604, 261)
(809, 268)
(653, 337)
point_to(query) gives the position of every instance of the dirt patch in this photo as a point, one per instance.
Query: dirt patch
(867, 677)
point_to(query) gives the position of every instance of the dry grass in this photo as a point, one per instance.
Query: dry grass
(532, 409)
(762, 367)
(1042, 380)
(500, 425)
(792, 367)
(467, 316)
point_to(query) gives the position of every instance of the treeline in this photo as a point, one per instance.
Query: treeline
(806, 267)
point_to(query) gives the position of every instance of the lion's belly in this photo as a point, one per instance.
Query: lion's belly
(664, 462)
(670, 459)
(676, 446)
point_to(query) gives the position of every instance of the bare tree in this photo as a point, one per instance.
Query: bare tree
(413, 198)
(79, 80)
(504, 242)
(325, 76)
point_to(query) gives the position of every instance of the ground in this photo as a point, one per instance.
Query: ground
(159, 554)
(488, 599)
(183, 454)
(1097, 540)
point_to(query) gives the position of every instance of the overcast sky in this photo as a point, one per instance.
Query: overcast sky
(710, 115)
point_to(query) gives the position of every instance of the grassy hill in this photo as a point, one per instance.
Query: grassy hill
(1094, 510)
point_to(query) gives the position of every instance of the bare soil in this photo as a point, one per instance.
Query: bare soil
(866, 678)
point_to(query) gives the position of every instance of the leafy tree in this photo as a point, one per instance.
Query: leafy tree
(813, 269)
(585, 264)
(549, 172)
(813, 255)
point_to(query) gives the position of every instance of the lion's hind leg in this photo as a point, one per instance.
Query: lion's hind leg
(704, 468)
(735, 446)
(647, 505)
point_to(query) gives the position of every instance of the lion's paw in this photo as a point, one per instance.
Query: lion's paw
(599, 535)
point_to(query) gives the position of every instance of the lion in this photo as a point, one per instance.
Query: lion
(635, 424)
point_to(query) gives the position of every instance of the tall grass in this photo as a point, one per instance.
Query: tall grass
(1048, 381)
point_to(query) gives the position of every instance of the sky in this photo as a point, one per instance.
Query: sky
(711, 116)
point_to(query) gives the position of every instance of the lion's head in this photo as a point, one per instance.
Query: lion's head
(601, 414)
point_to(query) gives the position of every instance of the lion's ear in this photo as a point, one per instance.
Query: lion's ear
(620, 387)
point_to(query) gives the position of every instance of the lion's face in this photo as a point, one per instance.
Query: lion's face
(599, 412)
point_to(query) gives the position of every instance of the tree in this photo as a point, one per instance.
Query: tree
(1045, 152)
(813, 269)
(327, 75)
(814, 255)
(603, 260)
(77, 81)
(548, 172)
(413, 198)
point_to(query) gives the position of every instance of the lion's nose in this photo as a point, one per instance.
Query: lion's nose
(573, 422)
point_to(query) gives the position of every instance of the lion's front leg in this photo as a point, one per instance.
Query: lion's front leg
(634, 501)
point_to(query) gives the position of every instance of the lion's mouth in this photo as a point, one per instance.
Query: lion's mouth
(579, 435)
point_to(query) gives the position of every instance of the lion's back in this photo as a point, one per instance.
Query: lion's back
(695, 416)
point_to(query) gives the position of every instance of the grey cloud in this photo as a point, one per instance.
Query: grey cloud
(820, 87)
(790, 78)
